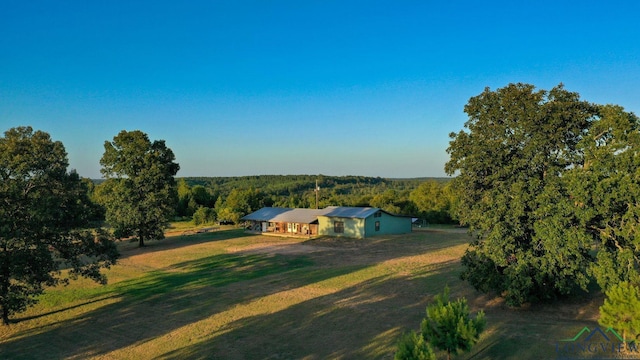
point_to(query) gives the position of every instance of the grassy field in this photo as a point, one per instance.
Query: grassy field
(229, 295)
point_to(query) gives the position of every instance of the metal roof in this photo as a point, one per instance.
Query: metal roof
(350, 212)
(266, 213)
(308, 216)
(303, 216)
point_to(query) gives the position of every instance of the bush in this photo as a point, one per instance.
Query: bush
(204, 215)
(448, 325)
(412, 346)
(621, 309)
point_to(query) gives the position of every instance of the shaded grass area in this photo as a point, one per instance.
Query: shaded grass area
(211, 271)
(228, 295)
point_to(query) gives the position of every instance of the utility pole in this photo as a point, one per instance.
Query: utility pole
(317, 191)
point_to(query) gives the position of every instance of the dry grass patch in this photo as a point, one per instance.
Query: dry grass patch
(229, 295)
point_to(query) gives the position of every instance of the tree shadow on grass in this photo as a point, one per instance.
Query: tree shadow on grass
(535, 331)
(392, 246)
(358, 322)
(67, 308)
(163, 300)
(364, 321)
(130, 247)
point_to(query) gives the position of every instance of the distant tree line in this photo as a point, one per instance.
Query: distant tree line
(228, 199)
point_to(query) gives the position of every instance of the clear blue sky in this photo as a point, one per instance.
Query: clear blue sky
(298, 87)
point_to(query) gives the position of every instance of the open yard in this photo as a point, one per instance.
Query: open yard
(228, 295)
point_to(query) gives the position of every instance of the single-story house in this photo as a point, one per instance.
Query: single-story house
(354, 222)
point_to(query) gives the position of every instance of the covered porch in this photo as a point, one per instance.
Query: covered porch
(281, 228)
(284, 222)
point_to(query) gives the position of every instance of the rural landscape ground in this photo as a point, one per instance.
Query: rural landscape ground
(230, 295)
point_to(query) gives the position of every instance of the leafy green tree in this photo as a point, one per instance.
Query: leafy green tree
(202, 196)
(448, 325)
(621, 309)
(42, 206)
(449, 191)
(432, 202)
(204, 215)
(239, 203)
(605, 192)
(140, 191)
(510, 164)
(184, 199)
(388, 201)
(96, 211)
(412, 346)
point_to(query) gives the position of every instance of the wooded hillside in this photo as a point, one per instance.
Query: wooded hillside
(234, 197)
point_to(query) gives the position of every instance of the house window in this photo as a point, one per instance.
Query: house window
(338, 227)
(378, 214)
(377, 225)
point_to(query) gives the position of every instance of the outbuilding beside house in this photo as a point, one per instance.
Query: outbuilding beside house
(353, 222)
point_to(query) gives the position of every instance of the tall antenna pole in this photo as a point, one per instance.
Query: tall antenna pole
(317, 190)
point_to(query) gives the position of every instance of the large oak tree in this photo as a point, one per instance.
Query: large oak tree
(510, 161)
(42, 206)
(605, 192)
(140, 192)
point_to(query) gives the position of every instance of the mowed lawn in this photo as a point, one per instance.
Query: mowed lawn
(230, 295)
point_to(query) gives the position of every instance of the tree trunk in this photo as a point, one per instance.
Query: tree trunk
(5, 316)
(140, 241)
(4, 289)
